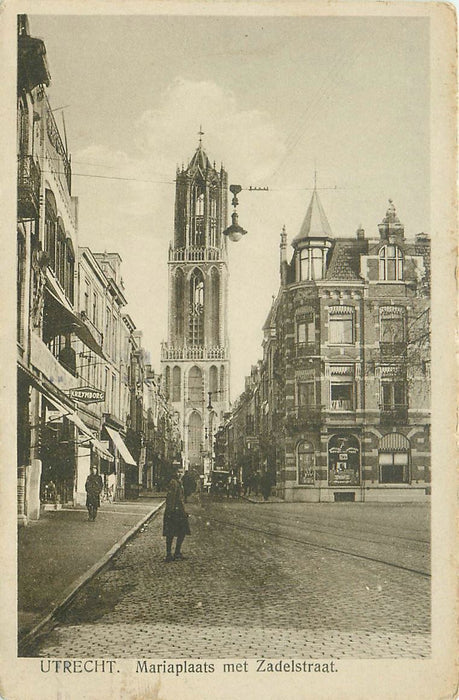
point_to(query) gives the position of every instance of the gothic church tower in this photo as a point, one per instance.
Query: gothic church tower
(195, 359)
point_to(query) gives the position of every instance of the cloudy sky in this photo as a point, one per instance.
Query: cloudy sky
(276, 98)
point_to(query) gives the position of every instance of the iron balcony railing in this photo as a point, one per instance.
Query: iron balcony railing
(304, 349)
(396, 349)
(28, 187)
(393, 413)
(300, 417)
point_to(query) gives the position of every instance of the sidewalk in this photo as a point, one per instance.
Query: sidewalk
(60, 548)
(258, 498)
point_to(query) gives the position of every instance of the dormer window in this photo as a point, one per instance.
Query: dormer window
(312, 264)
(390, 263)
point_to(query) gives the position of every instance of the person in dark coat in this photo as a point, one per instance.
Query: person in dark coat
(94, 486)
(175, 523)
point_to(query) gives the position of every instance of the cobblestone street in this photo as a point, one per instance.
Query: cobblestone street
(268, 580)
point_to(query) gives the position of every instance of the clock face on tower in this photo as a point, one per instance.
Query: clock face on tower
(195, 358)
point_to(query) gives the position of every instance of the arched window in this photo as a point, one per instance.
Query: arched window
(222, 379)
(197, 218)
(179, 305)
(394, 459)
(195, 385)
(390, 263)
(213, 379)
(305, 459)
(176, 384)
(194, 439)
(167, 381)
(215, 310)
(196, 325)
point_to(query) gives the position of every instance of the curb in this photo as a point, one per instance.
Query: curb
(83, 579)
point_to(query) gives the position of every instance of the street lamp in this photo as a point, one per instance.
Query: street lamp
(234, 232)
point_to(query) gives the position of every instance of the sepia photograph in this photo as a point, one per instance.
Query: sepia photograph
(228, 226)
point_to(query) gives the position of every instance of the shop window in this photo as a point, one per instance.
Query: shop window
(344, 460)
(305, 462)
(394, 467)
(305, 328)
(340, 326)
(390, 263)
(342, 396)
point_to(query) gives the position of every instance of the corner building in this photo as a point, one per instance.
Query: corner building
(346, 364)
(195, 358)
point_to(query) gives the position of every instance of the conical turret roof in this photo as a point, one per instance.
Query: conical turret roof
(315, 224)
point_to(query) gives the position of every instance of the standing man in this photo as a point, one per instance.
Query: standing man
(94, 486)
(175, 523)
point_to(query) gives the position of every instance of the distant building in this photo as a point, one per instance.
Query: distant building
(195, 359)
(339, 408)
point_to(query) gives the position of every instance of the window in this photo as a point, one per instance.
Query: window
(86, 298)
(394, 459)
(179, 305)
(392, 325)
(393, 394)
(312, 264)
(95, 309)
(114, 402)
(213, 379)
(50, 228)
(196, 320)
(305, 463)
(306, 393)
(390, 263)
(176, 384)
(305, 328)
(194, 438)
(215, 310)
(195, 386)
(340, 326)
(342, 396)
(167, 382)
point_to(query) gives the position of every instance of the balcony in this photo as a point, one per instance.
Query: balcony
(95, 332)
(303, 417)
(193, 352)
(194, 254)
(392, 349)
(393, 413)
(305, 349)
(28, 187)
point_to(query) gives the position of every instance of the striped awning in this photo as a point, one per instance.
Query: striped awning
(394, 442)
(341, 310)
(342, 370)
(391, 311)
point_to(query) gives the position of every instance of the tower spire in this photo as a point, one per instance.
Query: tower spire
(200, 134)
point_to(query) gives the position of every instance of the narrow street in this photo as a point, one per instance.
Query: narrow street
(268, 580)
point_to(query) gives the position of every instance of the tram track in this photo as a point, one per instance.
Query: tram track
(316, 545)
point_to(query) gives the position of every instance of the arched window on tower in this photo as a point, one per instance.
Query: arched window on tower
(213, 379)
(176, 384)
(213, 218)
(222, 379)
(167, 381)
(197, 217)
(195, 386)
(194, 439)
(179, 306)
(196, 320)
(215, 309)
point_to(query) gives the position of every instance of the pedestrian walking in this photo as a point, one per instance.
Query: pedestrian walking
(94, 486)
(175, 523)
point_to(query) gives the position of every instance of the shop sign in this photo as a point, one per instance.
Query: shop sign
(87, 394)
(344, 460)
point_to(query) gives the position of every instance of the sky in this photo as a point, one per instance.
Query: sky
(277, 98)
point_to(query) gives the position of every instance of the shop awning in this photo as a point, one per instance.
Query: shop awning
(102, 452)
(60, 318)
(71, 416)
(120, 446)
(394, 442)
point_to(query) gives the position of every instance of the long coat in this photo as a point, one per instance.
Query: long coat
(175, 522)
(94, 486)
